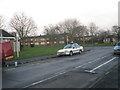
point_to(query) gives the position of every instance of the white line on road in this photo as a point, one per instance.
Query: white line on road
(60, 73)
(44, 80)
(91, 62)
(9, 69)
(102, 64)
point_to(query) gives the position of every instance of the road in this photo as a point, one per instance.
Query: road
(78, 71)
(111, 80)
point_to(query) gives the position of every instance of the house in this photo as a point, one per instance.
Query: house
(58, 39)
(5, 36)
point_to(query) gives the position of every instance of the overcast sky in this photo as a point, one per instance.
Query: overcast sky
(102, 12)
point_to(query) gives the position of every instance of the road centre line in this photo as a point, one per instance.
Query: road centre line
(102, 64)
(90, 62)
(43, 80)
(60, 73)
(82, 65)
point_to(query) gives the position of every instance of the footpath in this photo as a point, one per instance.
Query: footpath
(23, 61)
(39, 58)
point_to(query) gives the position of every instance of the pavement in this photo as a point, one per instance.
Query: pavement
(28, 60)
(63, 72)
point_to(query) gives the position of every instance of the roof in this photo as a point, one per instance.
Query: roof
(46, 36)
(5, 34)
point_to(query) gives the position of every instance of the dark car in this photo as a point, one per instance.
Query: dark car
(117, 48)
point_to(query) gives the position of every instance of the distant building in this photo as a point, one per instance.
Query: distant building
(58, 39)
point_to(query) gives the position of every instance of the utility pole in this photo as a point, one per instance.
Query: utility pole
(67, 40)
(17, 49)
(17, 45)
(1, 36)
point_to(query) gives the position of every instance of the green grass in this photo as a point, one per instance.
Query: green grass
(100, 44)
(29, 52)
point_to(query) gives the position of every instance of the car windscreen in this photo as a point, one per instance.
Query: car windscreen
(118, 44)
(68, 46)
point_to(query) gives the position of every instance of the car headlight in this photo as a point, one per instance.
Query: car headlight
(66, 51)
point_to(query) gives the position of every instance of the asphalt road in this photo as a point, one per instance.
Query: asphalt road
(111, 80)
(78, 71)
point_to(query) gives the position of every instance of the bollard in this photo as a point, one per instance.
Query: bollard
(16, 64)
(7, 65)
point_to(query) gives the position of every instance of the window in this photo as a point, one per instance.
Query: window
(48, 42)
(31, 39)
(35, 39)
(47, 38)
(61, 42)
(42, 39)
(5, 40)
(36, 43)
(62, 37)
(118, 44)
(68, 46)
(42, 43)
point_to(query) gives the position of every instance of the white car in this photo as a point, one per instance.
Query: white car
(70, 49)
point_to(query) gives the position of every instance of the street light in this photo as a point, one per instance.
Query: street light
(17, 45)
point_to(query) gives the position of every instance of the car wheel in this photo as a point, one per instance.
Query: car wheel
(80, 52)
(71, 53)
(58, 55)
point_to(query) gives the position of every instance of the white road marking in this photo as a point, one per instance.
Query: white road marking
(10, 69)
(102, 64)
(60, 73)
(44, 80)
(91, 62)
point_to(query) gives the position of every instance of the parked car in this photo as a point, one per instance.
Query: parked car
(70, 49)
(117, 48)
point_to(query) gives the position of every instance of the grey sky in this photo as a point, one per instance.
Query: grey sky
(103, 12)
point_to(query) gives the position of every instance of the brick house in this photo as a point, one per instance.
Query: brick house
(58, 39)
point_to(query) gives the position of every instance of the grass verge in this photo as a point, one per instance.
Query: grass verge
(99, 44)
(29, 52)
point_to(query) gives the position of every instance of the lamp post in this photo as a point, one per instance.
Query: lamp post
(17, 45)
(17, 49)
(67, 39)
(1, 36)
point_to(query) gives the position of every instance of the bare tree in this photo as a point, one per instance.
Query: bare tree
(70, 29)
(51, 31)
(2, 25)
(116, 32)
(70, 26)
(23, 25)
(103, 34)
(81, 32)
(92, 30)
